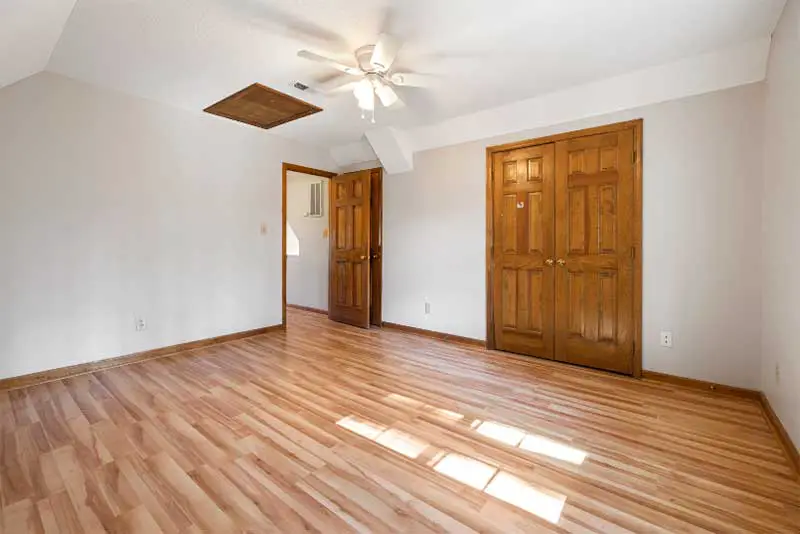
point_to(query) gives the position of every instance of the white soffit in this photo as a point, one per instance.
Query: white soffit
(392, 148)
(29, 31)
(723, 69)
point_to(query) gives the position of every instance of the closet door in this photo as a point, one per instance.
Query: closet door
(595, 229)
(522, 250)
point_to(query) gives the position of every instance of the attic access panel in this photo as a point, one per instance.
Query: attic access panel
(262, 106)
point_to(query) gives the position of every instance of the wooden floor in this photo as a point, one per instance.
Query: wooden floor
(331, 429)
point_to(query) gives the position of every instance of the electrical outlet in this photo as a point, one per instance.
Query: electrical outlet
(666, 339)
(777, 374)
(140, 324)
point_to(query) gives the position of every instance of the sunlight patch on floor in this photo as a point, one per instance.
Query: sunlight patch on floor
(519, 493)
(466, 470)
(473, 472)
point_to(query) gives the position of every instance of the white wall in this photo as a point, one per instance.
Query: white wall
(702, 227)
(781, 318)
(113, 207)
(307, 274)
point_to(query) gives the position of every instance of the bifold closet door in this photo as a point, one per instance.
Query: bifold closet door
(594, 249)
(522, 250)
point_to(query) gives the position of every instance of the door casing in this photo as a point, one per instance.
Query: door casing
(285, 170)
(376, 304)
(637, 126)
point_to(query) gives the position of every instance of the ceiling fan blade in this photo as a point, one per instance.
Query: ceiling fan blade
(387, 95)
(341, 83)
(306, 54)
(411, 79)
(385, 52)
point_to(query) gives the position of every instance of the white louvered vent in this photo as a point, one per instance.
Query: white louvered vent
(316, 197)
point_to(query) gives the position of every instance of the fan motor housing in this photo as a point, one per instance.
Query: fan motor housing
(364, 58)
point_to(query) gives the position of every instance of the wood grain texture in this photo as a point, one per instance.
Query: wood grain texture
(710, 387)
(376, 247)
(108, 363)
(595, 227)
(618, 344)
(307, 308)
(524, 251)
(331, 428)
(433, 334)
(792, 452)
(285, 169)
(349, 267)
(262, 107)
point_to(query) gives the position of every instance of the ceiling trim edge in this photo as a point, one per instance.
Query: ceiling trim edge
(721, 69)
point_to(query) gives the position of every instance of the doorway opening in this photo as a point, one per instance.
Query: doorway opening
(332, 244)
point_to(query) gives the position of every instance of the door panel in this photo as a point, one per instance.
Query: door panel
(349, 284)
(523, 292)
(594, 196)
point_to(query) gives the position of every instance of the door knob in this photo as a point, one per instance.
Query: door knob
(362, 258)
(549, 262)
(561, 262)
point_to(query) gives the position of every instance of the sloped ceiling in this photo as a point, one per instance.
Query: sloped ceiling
(29, 30)
(479, 54)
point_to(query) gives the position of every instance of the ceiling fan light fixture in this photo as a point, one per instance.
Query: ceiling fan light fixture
(365, 95)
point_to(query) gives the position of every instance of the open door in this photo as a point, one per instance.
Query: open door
(349, 271)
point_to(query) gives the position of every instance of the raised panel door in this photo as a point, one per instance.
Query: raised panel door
(523, 292)
(594, 278)
(349, 284)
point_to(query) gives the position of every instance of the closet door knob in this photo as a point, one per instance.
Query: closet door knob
(561, 262)
(549, 262)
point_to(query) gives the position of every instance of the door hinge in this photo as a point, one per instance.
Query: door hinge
(633, 157)
(633, 253)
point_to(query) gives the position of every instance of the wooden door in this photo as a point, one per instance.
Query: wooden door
(376, 247)
(349, 283)
(595, 254)
(523, 250)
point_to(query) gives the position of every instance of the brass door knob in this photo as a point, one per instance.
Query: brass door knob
(362, 258)
(561, 262)
(549, 262)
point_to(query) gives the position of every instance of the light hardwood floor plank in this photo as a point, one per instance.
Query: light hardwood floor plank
(328, 428)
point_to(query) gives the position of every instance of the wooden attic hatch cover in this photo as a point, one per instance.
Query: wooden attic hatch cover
(262, 106)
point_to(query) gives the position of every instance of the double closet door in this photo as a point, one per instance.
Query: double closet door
(563, 250)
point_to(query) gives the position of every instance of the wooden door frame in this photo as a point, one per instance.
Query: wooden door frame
(637, 126)
(285, 170)
(376, 272)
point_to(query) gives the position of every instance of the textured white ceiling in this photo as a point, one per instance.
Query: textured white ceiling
(29, 29)
(191, 53)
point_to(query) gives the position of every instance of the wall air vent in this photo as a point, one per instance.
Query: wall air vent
(316, 197)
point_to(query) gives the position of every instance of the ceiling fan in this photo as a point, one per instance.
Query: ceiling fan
(372, 77)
